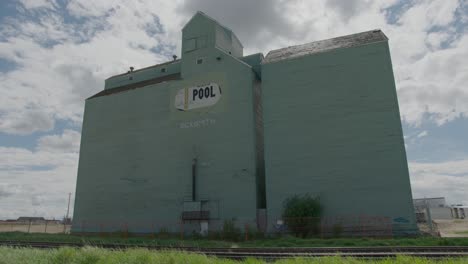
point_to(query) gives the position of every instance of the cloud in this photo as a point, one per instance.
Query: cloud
(422, 134)
(448, 179)
(59, 64)
(37, 200)
(26, 121)
(32, 4)
(7, 190)
(68, 142)
(347, 9)
(436, 84)
(254, 22)
(38, 182)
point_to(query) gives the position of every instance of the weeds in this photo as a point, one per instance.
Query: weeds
(90, 255)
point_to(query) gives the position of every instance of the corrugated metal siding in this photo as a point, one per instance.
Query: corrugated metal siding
(135, 159)
(332, 128)
(142, 75)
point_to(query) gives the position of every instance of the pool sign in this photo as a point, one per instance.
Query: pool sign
(197, 97)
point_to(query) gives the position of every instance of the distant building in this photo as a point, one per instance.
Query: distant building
(31, 219)
(431, 202)
(438, 207)
(459, 211)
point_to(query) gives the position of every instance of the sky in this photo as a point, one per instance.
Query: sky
(56, 53)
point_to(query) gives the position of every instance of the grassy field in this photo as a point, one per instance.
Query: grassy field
(89, 255)
(267, 242)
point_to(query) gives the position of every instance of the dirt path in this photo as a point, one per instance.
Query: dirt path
(453, 228)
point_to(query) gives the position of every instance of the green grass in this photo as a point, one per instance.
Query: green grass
(90, 255)
(462, 232)
(266, 242)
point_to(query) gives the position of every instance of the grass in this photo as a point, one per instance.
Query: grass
(462, 232)
(266, 242)
(90, 255)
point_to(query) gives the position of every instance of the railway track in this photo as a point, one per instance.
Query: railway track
(276, 252)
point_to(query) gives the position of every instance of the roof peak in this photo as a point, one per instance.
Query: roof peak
(200, 13)
(347, 41)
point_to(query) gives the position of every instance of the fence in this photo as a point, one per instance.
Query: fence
(324, 227)
(343, 226)
(35, 227)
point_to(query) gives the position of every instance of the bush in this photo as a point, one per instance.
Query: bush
(337, 230)
(302, 215)
(254, 233)
(163, 233)
(230, 231)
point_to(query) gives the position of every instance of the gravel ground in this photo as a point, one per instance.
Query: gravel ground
(453, 228)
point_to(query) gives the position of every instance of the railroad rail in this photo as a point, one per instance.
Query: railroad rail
(273, 252)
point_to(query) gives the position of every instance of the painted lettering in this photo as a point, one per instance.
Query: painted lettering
(211, 89)
(196, 97)
(200, 93)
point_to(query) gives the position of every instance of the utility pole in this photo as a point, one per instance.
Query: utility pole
(66, 217)
(429, 216)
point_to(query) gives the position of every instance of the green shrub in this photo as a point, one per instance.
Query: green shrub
(254, 233)
(163, 233)
(337, 230)
(214, 235)
(196, 235)
(301, 215)
(230, 231)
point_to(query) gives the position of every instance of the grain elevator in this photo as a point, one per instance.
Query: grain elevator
(185, 145)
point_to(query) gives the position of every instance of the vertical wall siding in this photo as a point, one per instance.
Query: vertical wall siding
(137, 151)
(332, 129)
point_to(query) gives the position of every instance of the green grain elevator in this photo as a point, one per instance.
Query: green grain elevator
(185, 145)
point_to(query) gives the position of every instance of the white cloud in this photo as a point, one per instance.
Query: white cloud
(435, 40)
(31, 4)
(26, 121)
(38, 182)
(57, 66)
(68, 142)
(422, 134)
(448, 179)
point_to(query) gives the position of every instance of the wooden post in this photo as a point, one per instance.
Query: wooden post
(29, 227)
(182, 229)
(45, 228)
(126, 231)
(246, 227)
(321, 227)
(82, 227)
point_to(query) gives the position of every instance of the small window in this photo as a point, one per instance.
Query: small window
(199, 61)
(201, 42)
(190, 44)
(163, 70)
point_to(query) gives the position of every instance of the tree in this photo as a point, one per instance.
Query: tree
(302, 214)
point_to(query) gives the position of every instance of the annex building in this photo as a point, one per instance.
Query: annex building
(217, 135)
